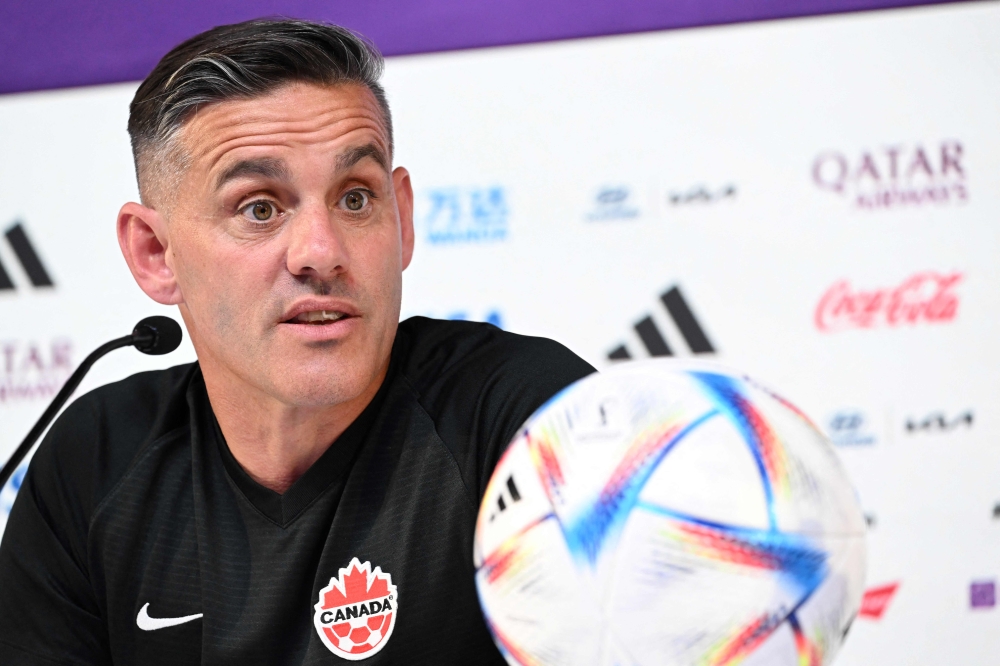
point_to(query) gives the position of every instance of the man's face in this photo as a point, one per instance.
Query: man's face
(287, 237)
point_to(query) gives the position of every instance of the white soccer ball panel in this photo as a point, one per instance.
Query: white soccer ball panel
(832, 608)
(819, 497)
(703, 593)
(778, 649)
(593, 428)
(710, 475)
(539, 604)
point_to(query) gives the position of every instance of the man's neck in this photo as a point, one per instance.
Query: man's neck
(273, 442)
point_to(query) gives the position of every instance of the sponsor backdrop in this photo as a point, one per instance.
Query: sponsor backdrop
(816, 201)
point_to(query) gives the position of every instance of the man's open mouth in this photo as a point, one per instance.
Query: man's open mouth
(317, 317)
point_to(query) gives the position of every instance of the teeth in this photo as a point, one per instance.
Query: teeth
(319, 315)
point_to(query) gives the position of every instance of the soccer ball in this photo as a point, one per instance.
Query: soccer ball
(663, 512)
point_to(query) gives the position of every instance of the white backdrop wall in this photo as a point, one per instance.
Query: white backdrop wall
(823, 195)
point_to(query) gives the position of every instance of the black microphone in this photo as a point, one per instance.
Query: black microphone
(152, 335)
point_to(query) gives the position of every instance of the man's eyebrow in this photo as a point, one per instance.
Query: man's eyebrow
(268, 167)
(352, 156)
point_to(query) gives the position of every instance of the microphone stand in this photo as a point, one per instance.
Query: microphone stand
(152, 335)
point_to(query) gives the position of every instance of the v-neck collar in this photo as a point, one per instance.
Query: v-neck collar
(329, 470)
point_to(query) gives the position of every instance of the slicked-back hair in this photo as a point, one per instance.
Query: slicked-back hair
(241, 61)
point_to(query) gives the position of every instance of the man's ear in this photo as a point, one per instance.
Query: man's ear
(143, 240)
(404, 205)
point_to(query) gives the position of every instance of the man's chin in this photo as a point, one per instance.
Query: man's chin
(320, 387)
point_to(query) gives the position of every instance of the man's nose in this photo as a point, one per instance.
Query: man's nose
(316, 247)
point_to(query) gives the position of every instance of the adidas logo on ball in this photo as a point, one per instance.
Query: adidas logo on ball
(356, 612)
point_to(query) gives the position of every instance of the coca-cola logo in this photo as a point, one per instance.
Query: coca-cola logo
(895, 175)
(926, 297)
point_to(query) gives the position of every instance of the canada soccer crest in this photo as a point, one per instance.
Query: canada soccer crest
(356, 612)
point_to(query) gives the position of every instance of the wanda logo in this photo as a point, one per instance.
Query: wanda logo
(926, 297)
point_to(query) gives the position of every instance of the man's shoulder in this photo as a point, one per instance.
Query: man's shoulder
(472, 353)
(93, 442)
(479, 384)
(133, 409)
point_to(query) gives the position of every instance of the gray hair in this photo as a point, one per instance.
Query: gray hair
(241, 61)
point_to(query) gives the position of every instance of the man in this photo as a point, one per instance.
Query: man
(307, 491)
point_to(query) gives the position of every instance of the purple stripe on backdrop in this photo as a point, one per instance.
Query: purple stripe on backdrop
(64, 43)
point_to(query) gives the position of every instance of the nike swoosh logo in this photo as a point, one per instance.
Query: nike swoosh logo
(147, 623)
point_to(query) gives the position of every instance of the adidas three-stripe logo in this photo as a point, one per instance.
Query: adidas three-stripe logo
(654, 341)
(17, 238)
(508, 495)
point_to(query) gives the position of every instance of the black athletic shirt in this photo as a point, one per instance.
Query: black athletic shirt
(134, 498)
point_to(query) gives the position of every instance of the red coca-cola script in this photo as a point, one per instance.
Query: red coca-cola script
(926, 297)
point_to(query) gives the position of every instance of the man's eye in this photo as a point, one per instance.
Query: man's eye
(260, 211)
(355, 200)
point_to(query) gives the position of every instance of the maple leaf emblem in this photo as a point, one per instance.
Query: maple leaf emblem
(359, 584)
(356, 612)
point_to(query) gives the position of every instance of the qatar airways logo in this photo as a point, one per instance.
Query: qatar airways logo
(923, 298)
(895, 176)
(32, 370)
